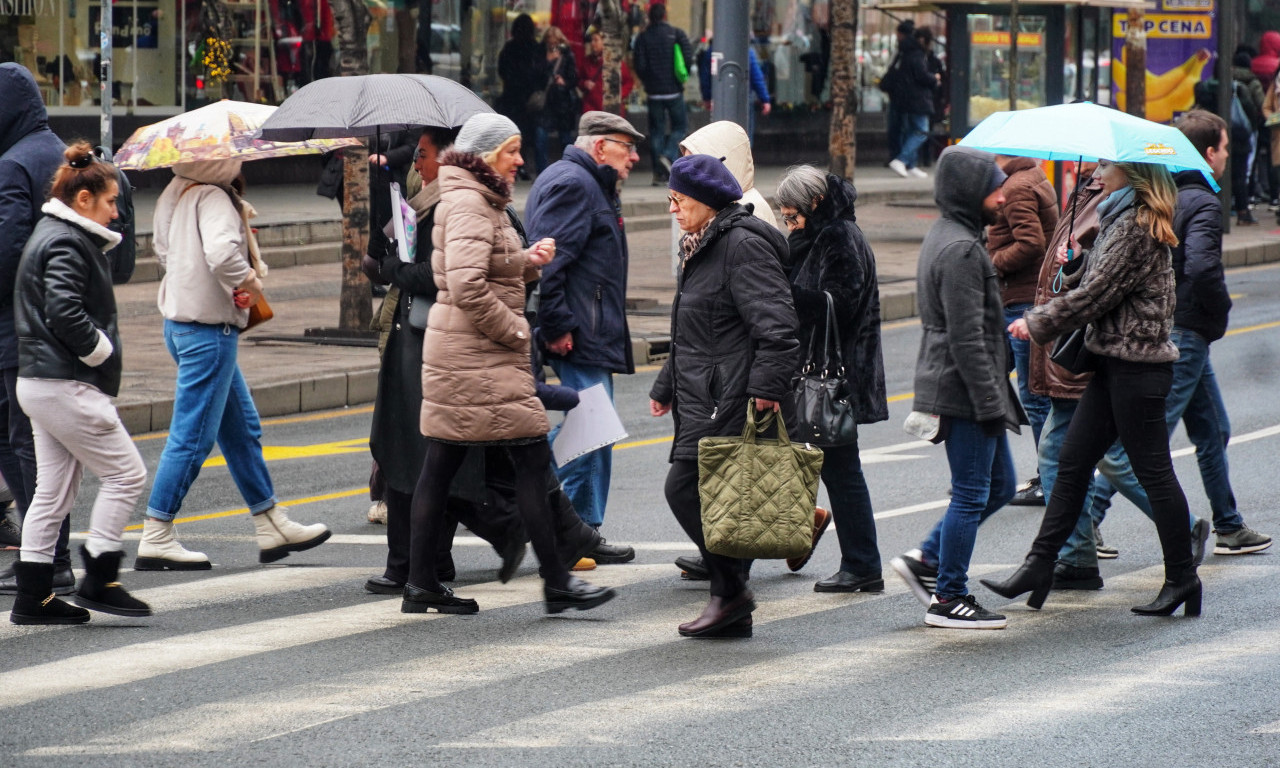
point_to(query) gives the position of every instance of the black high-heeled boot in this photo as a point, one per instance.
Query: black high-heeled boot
(1034, 576)
(1185, 590)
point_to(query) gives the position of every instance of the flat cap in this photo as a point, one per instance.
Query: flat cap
(595, 123)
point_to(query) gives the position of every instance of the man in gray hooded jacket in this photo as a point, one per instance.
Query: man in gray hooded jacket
(962, 382)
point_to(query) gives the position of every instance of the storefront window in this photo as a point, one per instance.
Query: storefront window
(989, 77)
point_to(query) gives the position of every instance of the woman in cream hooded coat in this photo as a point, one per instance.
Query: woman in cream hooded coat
(203, 240)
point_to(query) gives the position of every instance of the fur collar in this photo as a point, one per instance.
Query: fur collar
(480, 169)
(60, 210)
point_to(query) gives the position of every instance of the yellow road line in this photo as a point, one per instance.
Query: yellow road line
(1251, 328)
(245, 510)
(321, 416)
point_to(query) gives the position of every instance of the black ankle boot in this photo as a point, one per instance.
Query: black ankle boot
(36, 603)
(99, 590)
(1034, 576)
(1184, 590)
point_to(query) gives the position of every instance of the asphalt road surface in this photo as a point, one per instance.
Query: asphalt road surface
(295, 665)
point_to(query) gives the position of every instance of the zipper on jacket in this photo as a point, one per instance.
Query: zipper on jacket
(597, 310)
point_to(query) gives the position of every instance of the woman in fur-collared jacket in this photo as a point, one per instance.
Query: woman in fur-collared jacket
(69, 367)
(477, 387)
(1125, 299)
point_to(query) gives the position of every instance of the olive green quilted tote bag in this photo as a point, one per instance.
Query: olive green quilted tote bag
(757, 494)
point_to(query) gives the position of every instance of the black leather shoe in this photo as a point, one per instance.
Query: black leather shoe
(1074, 577)
(421, 600)
(692, 568)
(843, 581)
(381, 585)
(738, 629)
(719, 614)
(1034, 576)
(10, 533)
(573, 551)
(576, 594)
(1030, 496)
(1184, 591)
(611, 554)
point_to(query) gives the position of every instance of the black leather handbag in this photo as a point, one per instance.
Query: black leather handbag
(1070, 353)
(824, 413)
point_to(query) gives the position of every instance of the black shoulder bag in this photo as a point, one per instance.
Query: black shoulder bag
(824, 414)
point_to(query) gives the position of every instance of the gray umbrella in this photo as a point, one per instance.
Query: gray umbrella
(340, 107)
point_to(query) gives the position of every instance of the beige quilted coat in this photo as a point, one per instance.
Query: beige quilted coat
(477, 383)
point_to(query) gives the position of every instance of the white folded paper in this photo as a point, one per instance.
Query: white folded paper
(592, 425)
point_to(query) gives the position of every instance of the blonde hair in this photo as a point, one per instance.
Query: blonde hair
(1157, 196)
(554, 36)
(490, 157)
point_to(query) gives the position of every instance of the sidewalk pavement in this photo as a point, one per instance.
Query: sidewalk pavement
(302, 228)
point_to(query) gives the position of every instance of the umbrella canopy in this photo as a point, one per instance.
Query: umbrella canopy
(1086, 131)
(224, 130)
(363, 105)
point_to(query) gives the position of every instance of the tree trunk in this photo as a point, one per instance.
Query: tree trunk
(844, 100)
(614, 31)
(1135, 60)
(355, 304)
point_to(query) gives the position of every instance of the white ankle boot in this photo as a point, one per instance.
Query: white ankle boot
(278, 535)
(159, 550)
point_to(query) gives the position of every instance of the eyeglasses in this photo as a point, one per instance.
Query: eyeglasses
(630, 145)
(676, 201)
(791, 218)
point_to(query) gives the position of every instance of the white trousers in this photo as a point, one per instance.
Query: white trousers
(76, 427)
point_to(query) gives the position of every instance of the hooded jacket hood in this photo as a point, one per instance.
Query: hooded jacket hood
(22, 110)
(727, 139)
(961, 183)
(1265, 64)
(218, 172)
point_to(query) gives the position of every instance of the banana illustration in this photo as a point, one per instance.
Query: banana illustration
(1172, 91)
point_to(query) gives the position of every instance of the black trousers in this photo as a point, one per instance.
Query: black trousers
(1127, 401)
(727, 573)
(18, 459)
(430, 510)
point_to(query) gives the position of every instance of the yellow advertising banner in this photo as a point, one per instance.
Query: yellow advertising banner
(1002, 38)
(1168, 26)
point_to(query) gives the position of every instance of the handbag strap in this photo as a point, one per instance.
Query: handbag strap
(750, 429)
(830, 332)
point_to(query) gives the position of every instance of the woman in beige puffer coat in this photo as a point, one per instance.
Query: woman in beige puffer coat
(477, 383)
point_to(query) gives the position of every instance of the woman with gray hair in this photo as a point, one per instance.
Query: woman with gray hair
(831, 258)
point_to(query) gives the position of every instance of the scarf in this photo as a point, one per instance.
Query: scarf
(690, 241)
(1115, 203)
(427, 197)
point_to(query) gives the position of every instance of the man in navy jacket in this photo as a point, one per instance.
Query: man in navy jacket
(582, 316)
(29, 155)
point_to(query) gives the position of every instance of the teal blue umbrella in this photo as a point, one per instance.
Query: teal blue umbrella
(1086, 131)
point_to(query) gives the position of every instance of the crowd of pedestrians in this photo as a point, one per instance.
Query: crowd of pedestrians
(489, 297)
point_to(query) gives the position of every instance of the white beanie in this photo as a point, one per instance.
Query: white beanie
(484, 132)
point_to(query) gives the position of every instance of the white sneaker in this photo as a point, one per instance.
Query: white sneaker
(159, 550)
(919, 174)
(962, 613)
(278, 535)
(898, 167)
(378, 512)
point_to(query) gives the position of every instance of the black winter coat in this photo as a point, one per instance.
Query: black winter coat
(64, 297)
(584, 289)
(733, 331)
(914, 84)
(522, 65)
(29, 155)
(1203, 300)
(394, 439)
(830, 255)
(655, 58)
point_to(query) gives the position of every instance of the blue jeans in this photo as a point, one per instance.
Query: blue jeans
(893, 124)
(541, 154)
(1196, 400)
(915, 131)
(982, 481)
(211, 403)
(586, 478)
(851, 510)
(1036, 406)
(664, 142)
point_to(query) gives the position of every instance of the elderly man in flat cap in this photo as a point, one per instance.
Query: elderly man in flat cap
(582, 318)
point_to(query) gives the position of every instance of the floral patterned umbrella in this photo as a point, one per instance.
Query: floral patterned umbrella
(223, 130)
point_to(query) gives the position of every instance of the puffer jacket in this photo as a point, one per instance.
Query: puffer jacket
(65, 307)
(476, 381)
(727, 139)
(1203, 300)
(199, 238)
(1017, 239)
(655, 58)
(830, 255)
(963, 365)
(733, 331)
(1125, 295)
(1266, 65)
(30, 153)
(1047, 377)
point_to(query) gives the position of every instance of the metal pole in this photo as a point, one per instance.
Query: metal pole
(104, 76)
(133, 61)
(730, 83)
(1226, 22)
(1013, 55)
(182, 59)
(62, 56)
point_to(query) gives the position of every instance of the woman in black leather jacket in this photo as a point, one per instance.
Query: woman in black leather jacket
(69, 367)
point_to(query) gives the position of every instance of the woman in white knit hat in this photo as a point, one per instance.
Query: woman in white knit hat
(477, 384)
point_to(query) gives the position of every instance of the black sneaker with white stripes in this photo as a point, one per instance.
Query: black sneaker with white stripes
(922, 578)
(962, 613)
